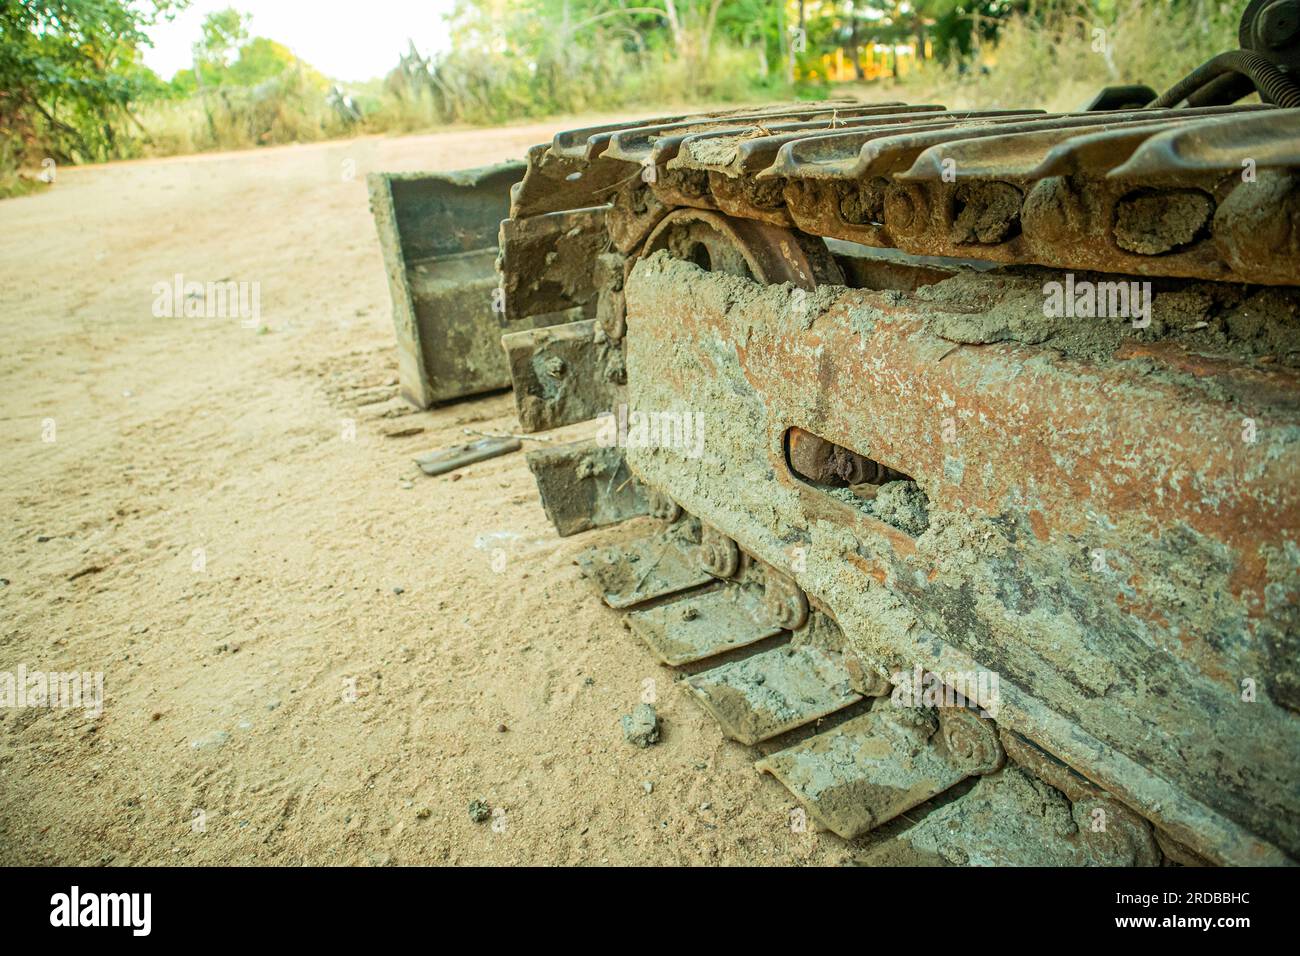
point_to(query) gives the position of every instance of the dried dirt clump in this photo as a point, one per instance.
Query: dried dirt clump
(904, 505)
(1154, 223)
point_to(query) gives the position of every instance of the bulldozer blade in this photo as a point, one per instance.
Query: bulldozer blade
(438, 232)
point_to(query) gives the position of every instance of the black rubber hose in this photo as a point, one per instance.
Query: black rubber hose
(1274, 86)
(1222, 90)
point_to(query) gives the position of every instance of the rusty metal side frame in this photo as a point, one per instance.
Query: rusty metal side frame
(1034, 462)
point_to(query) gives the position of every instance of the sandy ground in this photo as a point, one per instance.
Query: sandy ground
(200, 531)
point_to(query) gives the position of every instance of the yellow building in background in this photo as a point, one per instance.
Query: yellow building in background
(877, 61)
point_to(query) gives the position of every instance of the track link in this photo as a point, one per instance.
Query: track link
(879, 772)
(828, 282)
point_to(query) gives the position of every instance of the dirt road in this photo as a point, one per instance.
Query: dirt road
(183, 512)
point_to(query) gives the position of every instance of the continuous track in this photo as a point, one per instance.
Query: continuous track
(840, 285)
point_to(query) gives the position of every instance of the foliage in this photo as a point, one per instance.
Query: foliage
(72, 84)
(226, 56)
(1063, 54)
(70, 71)
(510, 62)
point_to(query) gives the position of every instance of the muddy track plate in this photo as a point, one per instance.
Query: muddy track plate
(770, 693)
(644, 570)
(699, 626)
(1012, 819)
(563, 374)
(870, 769)
(584, 485)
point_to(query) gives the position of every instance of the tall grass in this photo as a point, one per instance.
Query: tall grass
(482, 89)
(1059, 60)
(287, 109)
(12, 182)
(1056, 59)
(489, 88)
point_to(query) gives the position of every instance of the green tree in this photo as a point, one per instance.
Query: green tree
(223, 33)
(233, 59)
(70, 72)
(260, 60)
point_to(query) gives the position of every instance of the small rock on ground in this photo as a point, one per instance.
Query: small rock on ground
(641, 727)
(214, 738)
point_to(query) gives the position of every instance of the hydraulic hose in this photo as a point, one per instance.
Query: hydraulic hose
(1274, 86)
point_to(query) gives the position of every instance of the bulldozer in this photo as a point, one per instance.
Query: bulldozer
(967, 442)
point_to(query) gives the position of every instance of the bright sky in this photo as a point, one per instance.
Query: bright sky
(344, 39)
